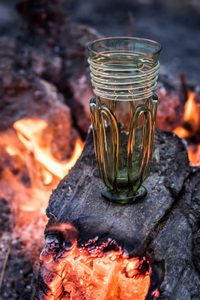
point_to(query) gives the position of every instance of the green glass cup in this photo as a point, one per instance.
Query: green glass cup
(124, 73)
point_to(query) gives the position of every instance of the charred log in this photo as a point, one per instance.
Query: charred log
(164, 227)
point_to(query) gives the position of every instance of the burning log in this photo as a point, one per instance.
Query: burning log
(38, 143)
(179, 112)
(39, 138)
(38, 146)
(95, 249)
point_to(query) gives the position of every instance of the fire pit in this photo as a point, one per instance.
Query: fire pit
(92, 249)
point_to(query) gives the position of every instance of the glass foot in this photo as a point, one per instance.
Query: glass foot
(124, 199)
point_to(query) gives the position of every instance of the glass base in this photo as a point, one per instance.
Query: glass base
(123, 199)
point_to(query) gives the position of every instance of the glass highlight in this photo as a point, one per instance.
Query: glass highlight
(124, 73)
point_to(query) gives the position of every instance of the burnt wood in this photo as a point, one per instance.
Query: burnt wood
(164, 226)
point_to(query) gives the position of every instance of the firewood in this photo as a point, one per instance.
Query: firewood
(163, 227)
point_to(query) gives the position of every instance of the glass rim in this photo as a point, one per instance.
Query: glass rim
(158, 47)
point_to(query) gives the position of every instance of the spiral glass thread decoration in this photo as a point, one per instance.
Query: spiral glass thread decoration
(124, 73)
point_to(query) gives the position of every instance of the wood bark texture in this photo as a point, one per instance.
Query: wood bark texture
(164, 226)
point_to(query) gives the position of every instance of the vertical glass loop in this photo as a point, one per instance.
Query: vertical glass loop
(124, 73)
(107, 164)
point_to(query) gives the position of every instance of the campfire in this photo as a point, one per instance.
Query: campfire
(29, 173)
(91, 250)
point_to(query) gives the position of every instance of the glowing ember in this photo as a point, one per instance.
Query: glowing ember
(29, 173)
(194, 154)
(156, 293)
(190, 128)
(80, 273)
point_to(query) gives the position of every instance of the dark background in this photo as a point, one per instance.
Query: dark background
(174, 23)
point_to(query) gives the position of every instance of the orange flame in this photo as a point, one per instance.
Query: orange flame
(29, 133)
(192, 112)
(84, 275)
(191, 127)
(29, 173)
(194, 155)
